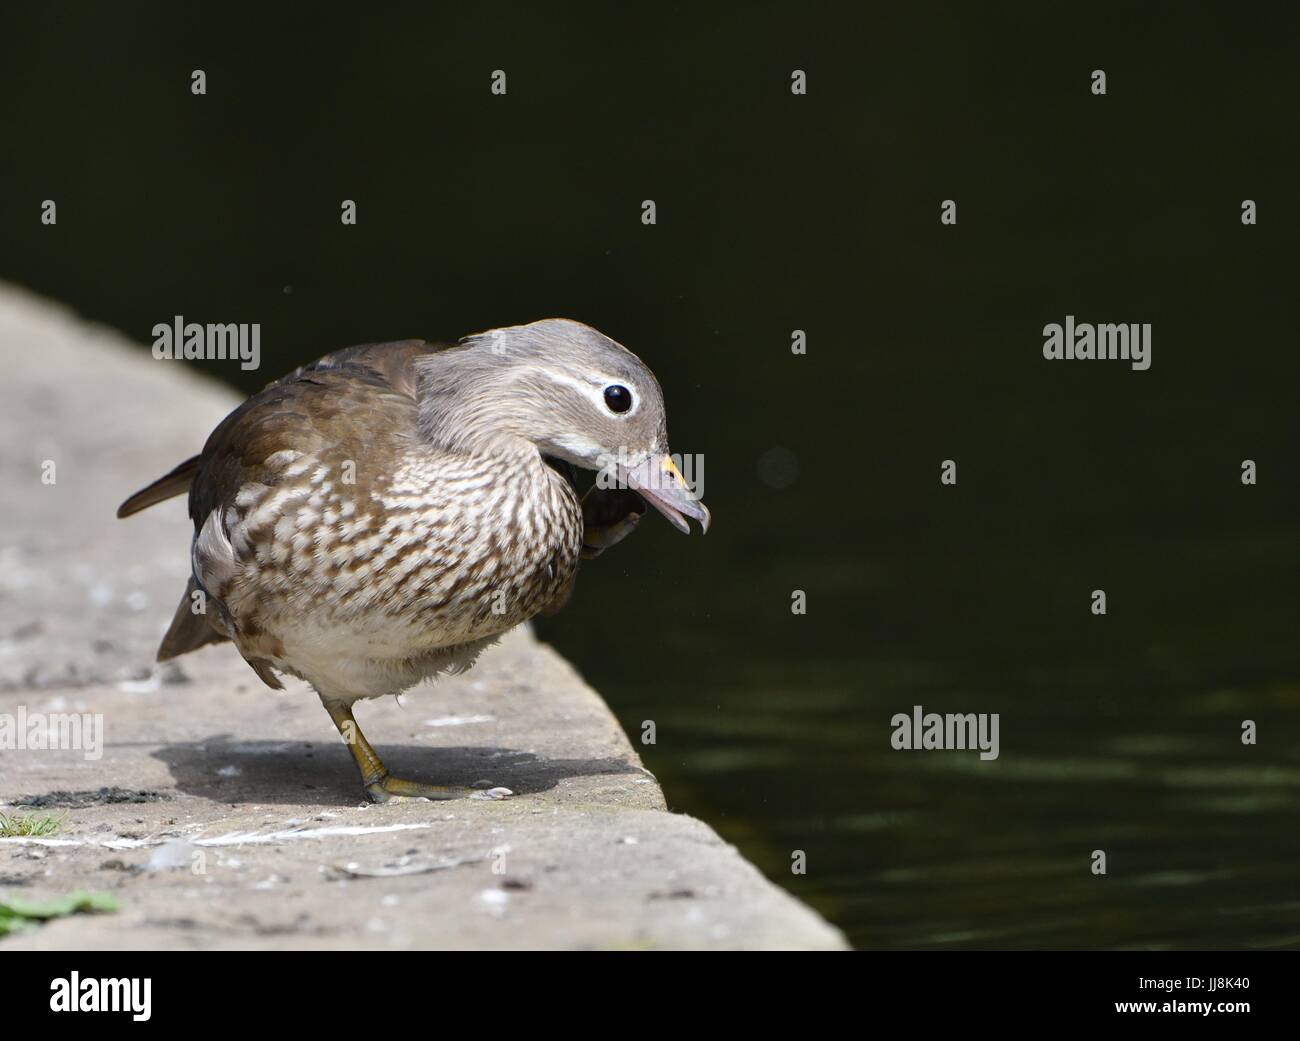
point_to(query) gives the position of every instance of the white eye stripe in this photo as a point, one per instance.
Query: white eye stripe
(594, 391)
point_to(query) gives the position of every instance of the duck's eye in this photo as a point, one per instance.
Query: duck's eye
(618, 398)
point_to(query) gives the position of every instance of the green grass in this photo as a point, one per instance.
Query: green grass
(17, 915)
(32, 826)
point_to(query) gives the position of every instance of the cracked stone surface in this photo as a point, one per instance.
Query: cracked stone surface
(223, 815)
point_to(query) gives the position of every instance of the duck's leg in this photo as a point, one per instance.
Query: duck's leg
(379, 784)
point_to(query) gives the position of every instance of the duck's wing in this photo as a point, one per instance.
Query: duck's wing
(310, 414)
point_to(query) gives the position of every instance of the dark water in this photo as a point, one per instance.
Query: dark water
(1118, 733)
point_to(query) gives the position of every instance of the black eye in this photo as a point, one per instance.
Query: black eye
(618, 398)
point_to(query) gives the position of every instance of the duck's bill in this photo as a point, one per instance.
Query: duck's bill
(662, 485)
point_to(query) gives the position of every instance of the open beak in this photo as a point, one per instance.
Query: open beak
(662, 485)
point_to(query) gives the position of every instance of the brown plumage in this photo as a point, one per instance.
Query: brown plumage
(386, 512)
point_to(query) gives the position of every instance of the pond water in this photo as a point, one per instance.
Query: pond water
(1127, 742)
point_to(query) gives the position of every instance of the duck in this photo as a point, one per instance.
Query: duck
(384, 514)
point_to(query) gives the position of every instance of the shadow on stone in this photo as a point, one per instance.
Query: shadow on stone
(229, 770)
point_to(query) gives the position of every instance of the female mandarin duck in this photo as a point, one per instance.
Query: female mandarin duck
(385, 513)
